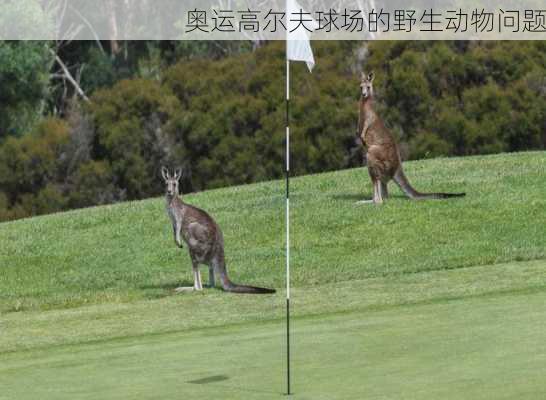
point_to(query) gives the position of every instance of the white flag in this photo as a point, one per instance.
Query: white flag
(298, 45)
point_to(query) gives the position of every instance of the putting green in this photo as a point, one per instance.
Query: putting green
(485, 347)
(411, 300)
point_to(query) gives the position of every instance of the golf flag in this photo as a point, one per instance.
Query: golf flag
(298, 48)
(299, 27)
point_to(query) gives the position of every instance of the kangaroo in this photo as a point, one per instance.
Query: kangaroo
(383, 155)
(203, 237)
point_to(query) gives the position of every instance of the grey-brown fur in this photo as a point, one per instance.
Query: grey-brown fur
(203, 237)
(383, 155)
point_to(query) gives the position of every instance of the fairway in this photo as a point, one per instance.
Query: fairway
(490, 347)
(411, 300)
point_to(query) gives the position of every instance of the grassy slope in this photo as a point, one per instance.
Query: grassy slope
(125, 252)
(367, 262)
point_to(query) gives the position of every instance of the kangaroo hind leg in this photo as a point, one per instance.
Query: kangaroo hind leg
(377, 194)
(384, 190)
(197, 285)
(211, 277)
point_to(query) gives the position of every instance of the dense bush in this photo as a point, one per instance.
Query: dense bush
(132, 133)
(223, 118)
(31, 170)
(463, 98)
(24, 77)
(230, 124)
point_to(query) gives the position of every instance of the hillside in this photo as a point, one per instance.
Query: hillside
(125, 252)
(435, 299)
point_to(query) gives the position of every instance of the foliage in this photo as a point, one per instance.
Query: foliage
(26, 19)
(218, 110)
(93, 184)
(132, 128)
(231, 120)
(448, 98)
(31, 169)
(100, 71)
(24, 76)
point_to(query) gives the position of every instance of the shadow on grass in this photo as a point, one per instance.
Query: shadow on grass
(209, 379)
(162, 290)
(351, 197)
(169, 286)
(159, 291)
(358, 197)
(221, 378)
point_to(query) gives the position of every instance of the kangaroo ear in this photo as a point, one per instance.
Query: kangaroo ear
(362, 76)
(371, 76)
(178, 173)
(164, 173)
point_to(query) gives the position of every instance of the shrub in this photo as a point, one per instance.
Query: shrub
(29, 169)
(133, 133)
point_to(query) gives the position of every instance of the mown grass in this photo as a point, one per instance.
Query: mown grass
(124, 253)
(413, 300)
(29, 330)
(501, 219)
(473, 348)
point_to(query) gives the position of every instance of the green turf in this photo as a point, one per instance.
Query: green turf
(478, 348)
(433, 299)
(34, 329)
(126, 252)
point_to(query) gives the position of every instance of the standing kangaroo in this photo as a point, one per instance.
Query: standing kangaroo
(202, 236)
(383, 155)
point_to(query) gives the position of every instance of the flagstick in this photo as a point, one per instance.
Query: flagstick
(287, 226)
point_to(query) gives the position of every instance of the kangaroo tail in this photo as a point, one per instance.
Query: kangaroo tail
(403, 183)
(231, 287)
(234, 288)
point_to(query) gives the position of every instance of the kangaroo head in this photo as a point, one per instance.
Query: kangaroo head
(171, 181)
(366, 85)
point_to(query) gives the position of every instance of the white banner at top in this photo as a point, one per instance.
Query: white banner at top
(268, 20)
(298, 46)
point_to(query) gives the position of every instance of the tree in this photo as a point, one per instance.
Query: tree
(24, 83)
